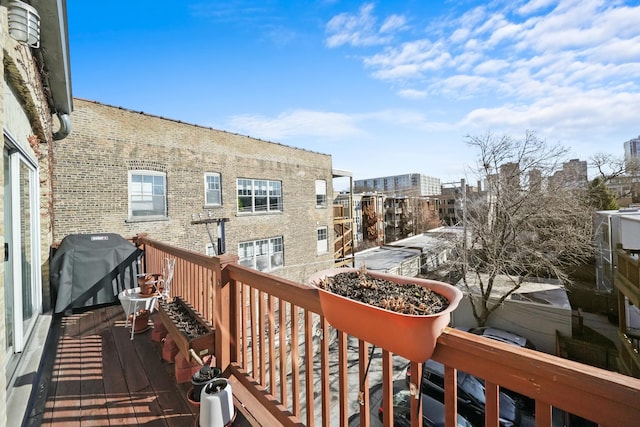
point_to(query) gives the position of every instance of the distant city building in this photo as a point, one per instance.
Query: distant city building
(412, 184)
(450, 201)
(573, 174)
(510, 175)
(631, 149)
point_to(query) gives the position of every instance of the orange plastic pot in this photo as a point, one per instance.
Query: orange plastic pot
(410, 336)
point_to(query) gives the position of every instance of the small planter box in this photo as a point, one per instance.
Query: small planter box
(174, 315)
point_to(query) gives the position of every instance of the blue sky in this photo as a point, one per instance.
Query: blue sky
(386, 87)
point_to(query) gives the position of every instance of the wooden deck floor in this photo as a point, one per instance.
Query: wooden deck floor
(92, 374)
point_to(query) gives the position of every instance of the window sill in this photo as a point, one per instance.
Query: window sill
(259, 213)
(146, 219)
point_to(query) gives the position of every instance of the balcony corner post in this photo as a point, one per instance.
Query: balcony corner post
(223, 321)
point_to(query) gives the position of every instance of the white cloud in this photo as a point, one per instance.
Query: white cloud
(569, 69)
(412, 93)
(615, 50)
(297, 123)
(534, 6)
(361, 29)
(409, 60)
(594, 114)
(491, 66)
(393, 23)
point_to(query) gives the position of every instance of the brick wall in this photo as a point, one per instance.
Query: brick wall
(90, 183)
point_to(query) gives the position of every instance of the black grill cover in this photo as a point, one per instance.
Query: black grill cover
(92, 269)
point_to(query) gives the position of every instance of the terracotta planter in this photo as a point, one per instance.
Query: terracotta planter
(192, 398)
(142, 321)
(147, 285)
(410, 336)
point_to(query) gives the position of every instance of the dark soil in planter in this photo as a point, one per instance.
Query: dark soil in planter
(184, 320)
(402, 298)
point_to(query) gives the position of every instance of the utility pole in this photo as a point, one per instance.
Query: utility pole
(219, 247)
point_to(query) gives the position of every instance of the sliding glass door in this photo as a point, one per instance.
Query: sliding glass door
(21, 251)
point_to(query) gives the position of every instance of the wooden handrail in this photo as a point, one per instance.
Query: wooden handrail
(272, 338)
(605, 397)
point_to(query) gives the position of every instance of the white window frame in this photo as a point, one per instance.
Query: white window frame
(208, 190)
(258, 195)
(322, 234)
(321, 193)
(146, 195)
(262, 254)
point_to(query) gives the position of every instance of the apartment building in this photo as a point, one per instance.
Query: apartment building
(450, 200)
(202, 189)
(631, 150)
(572, 175)
(411, 184)
(36, 103)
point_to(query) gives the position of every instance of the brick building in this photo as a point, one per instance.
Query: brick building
(127, 172)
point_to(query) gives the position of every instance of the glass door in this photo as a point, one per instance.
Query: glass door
(22, 258)
(8, 270)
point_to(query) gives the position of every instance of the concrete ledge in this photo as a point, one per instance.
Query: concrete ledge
(27, 384)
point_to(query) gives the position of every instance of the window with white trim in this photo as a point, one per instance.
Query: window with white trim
(262, 255)
(323, 240)
(212, 189)
(147, 193)
(259, 195)
(321, 193)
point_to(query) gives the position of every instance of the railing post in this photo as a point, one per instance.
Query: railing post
(224, 315)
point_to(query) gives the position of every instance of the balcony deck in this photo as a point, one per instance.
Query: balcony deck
(319, 377)
(94, 375)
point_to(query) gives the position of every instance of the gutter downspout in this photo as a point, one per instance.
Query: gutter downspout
(65, 127)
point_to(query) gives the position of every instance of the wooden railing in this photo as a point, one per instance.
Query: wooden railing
(629, 268)
(290, 368)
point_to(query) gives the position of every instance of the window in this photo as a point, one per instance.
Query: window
(147, 194)
(262, 255)
(212, 189)
(323, 240)
(259, 195)
(321, 193)
(210, 250)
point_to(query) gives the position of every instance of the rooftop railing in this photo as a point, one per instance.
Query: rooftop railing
(289, 367)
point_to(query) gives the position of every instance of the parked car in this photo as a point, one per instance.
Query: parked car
(432, 409)
(522, 401)
(471, 395)
(502, 336)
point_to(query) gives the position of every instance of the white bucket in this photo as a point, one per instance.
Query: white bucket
(216, 403)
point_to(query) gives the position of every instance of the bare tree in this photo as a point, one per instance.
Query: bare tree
(526, 224)
(610, 167)
(618, 172)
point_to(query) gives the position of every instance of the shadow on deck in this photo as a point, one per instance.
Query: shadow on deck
(93, 374)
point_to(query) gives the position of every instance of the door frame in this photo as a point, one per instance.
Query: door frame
(18, 158)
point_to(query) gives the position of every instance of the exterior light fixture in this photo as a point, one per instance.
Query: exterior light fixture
(24, 23)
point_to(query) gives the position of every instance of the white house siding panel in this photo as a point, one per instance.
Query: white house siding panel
(536, 322)
(630, 232)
